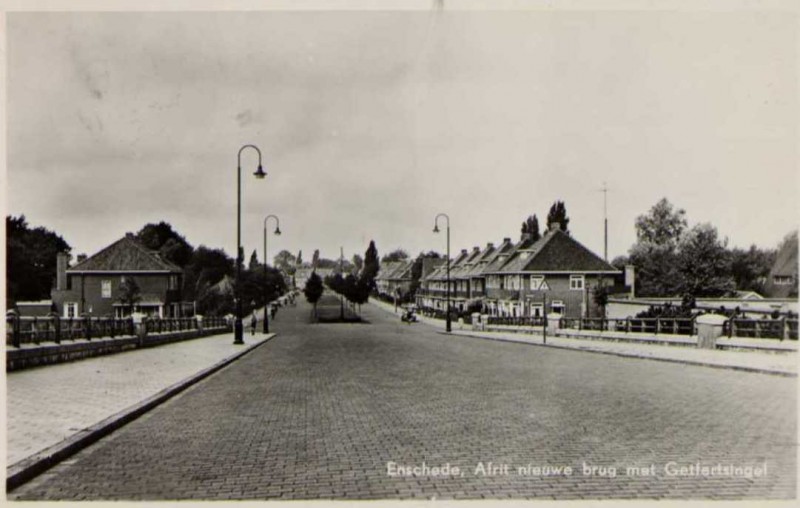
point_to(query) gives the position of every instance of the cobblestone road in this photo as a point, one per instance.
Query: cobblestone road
(320, 410)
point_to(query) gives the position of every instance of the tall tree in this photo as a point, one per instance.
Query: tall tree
(168, 242)
(558, 213)
(313, 290)
(395, 255)
(299, 258)
(253, 264)
(206, 268)
(655, 253)
(704, 263)
(31, 260)
(751, 267)
(371, 265)
(662, 225)
(531, 226)
(286, 261)
(315, 259)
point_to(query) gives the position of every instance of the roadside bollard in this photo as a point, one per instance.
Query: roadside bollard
(56, 327)
(12, 318)
(139, 326)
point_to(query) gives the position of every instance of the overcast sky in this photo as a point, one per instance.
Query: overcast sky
(371, 123)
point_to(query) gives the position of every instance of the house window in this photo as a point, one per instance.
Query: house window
(70, 309)
(557, 307)
(782, 280)
(576, 282)
(105, 289)
(173, 282)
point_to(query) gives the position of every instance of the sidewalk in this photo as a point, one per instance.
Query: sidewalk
(784, 363)
(47, 407)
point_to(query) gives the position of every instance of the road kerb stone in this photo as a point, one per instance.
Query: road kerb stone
(30, 467)
(632, 355)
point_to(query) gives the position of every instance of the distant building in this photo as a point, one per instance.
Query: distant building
(93, 286)
(302, 275)
(782, 280)
(394, 278)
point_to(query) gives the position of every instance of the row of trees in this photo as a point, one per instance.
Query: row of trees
(672, 259)
(356, 286)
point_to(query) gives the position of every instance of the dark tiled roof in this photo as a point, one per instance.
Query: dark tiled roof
(386, 269)
(126, 255)
(556, 252)
(479, 263)
(395, 270)
(499, 257)
(440, 273)
(464, 269)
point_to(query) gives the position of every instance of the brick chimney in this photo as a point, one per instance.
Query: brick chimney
(507, 239)
(62, 260)
(476, 249)
(489, 245)
(81, 258)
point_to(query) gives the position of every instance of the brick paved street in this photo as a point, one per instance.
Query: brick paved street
(320, 410)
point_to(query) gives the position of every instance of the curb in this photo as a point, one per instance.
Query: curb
(632, 355)
(36, 464)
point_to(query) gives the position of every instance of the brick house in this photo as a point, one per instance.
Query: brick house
(433, 286)
(556, 269)
(93, 285)
(512, 279)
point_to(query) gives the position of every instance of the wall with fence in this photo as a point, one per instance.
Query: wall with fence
(781, 329)
(34, 341)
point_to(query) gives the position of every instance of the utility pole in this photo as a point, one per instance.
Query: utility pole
(341, 272)
(605, 222)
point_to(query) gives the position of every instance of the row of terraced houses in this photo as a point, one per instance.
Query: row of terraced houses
(554, 274)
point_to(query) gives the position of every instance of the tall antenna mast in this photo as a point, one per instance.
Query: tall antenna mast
(605, 222)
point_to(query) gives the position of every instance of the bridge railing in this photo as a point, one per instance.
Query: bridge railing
(35, 330)
(783, 329)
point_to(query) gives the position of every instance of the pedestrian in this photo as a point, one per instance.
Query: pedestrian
(253, 322)
(274, 310)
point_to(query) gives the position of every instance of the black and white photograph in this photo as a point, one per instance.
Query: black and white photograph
(417, 250)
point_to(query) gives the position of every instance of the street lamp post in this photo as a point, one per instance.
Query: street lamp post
(238, 331)
(277, 232)
(447, 293)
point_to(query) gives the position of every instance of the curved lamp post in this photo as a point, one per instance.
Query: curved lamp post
(277, 232)
(237, 327)
(436, 230)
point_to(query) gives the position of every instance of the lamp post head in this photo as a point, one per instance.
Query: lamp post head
(260, 174)
(277, 231)
(435, 228)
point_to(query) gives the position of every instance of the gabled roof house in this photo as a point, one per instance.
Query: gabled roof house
(95, 285)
